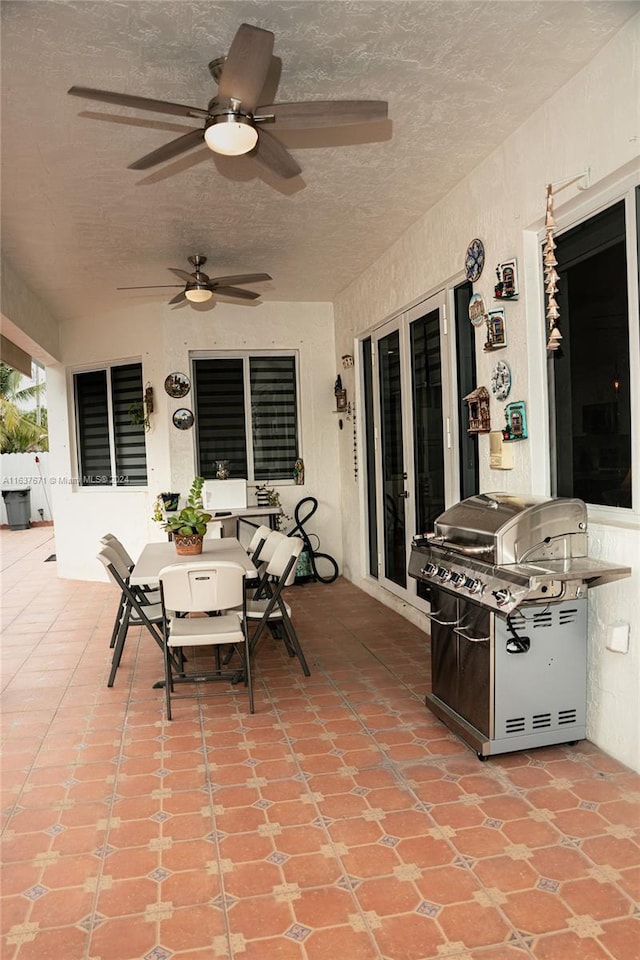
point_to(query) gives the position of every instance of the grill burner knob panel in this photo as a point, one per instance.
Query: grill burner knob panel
(444, 574)
(457, 579)
(429, 569)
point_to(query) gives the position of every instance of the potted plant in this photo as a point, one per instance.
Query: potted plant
(266, 496)
(189, 526)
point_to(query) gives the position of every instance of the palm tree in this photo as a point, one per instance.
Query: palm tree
(19, 431)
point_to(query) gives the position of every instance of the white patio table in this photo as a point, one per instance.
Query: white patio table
(155, 556)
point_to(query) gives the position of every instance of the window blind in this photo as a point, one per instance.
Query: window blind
(222, 386)
(97, 440)
(93, 427)
(274, 416)
(130, 451)
(220, 421)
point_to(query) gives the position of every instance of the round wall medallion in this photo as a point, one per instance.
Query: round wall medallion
(474, 260)
(177, 385)
(501, 380)
(183, 419)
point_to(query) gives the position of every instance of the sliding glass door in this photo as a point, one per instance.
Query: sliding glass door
(405, 437)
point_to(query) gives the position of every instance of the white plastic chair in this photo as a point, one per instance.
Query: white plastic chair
(196, 587)
(146, 593)
(109, 540)
(260, 562)
(257, 542)
(133, 609)
(272, 610)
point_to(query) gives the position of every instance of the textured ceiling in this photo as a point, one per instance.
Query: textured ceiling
(76, 224)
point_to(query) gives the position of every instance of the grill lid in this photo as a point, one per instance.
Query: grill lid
(505, 528)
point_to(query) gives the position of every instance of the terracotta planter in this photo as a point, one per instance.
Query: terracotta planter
(188, 546)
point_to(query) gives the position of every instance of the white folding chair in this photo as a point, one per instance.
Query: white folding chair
(133, 610)
(109, 540)
(146, 593)
(272, 610)
(195, 587)
(258, 540)
(260, 561)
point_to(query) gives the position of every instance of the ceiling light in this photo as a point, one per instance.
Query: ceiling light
(231, 134)
(198, 293)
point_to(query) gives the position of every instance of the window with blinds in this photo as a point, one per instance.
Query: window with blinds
(247, 413)
(111, 447)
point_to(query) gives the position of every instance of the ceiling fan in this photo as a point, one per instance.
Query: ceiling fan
(198, 287)
(234, 124)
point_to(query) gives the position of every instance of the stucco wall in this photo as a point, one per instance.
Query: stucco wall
(163, 338)
(25, 319)
(593, 122)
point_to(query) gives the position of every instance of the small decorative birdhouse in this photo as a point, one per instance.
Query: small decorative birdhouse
(479, 415)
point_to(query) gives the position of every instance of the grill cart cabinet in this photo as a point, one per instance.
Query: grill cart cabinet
(509, 683)
(508, 577)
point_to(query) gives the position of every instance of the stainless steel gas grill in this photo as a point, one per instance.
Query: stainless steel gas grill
(508, 578)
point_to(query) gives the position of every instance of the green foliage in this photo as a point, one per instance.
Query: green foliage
(273, 499)
(192, 518)
(19, 431)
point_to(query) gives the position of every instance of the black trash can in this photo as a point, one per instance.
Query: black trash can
(18, 506)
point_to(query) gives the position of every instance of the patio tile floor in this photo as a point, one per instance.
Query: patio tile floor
(342, 821)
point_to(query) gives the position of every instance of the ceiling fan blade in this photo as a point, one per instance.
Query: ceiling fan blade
(271, 154)
(325, 113)
(245, 69)
(187, 277)
(179, 297)
(237, 293)
(240, 278)
(140, 103)
(155, 286)
(186, 142)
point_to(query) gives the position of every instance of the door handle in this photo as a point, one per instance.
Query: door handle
(405, 494)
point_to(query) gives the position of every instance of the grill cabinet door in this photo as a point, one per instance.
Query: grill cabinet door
(461, 667)
(474, 666)
(444, 667)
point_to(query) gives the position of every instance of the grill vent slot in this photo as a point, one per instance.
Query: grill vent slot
(541, 720)
(543, 618)
(567, 616)
(567, 716)
(515, 725)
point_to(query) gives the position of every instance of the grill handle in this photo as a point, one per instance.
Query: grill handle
(466, 550)
(443, 623)
(461, 632)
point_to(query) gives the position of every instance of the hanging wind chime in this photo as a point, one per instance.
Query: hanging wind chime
(551, 275)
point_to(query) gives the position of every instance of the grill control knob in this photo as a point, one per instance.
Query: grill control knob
(473, 586)
(502, 596)
(429, 569)
(457, 579)
(444, 574)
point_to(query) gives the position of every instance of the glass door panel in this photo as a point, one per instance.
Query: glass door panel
(426, 371)
(392, 452)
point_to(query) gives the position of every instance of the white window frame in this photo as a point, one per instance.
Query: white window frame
(579, 210)
(96, 368)
(246, 356)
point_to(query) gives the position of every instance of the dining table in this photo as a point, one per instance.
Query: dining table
(155, 556)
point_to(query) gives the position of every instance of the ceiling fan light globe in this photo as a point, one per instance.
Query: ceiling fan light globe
(198, 294)
(231, 135)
